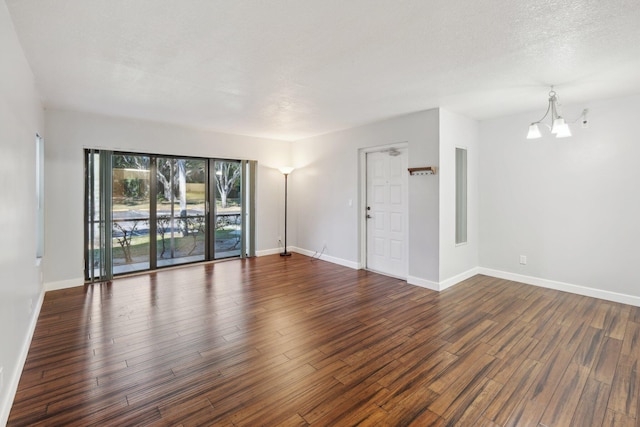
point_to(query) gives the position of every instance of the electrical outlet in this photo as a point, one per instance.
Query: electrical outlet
(523, 259)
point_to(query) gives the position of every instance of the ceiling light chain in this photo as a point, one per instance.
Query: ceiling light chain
(559, 127)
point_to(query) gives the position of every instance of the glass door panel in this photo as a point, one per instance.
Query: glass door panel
(228, 208)
(181, 210)
(94, 223)
(130, 213)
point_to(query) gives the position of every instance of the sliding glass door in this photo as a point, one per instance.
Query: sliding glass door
(228, 208)
(130, 205)
(150, 211)
(96, 250)
(181, 226)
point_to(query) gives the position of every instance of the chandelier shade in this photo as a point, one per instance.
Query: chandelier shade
(534, 131)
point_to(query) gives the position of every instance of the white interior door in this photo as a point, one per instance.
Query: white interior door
(386, 211)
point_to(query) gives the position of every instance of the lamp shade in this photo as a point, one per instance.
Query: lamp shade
(534, 131)
(286, 170)
(558, 125)
(563, 131)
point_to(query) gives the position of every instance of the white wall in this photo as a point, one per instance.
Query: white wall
(327, 178)
(455, 260)
(570, 205)
(68, 133)
(21, 117)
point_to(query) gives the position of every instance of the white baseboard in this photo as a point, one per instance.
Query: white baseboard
(14, 377)
(441, 286)
(529, 280)
(265, 252)
(328, 258)
(423, 283)
(63, 284)
(447, 283)
(561, 286)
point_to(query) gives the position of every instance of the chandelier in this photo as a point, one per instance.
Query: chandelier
(559, 127)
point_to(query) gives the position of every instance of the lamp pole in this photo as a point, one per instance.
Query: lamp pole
(285, 171)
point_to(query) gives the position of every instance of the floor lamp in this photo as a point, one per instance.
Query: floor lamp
(286, 170)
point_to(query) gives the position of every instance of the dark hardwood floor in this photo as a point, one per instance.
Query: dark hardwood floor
(289, 342)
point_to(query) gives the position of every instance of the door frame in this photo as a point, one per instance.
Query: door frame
(362, 200)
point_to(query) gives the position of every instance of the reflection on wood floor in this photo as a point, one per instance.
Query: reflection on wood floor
(287, 341)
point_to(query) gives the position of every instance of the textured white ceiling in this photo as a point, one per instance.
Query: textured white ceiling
(289, 69)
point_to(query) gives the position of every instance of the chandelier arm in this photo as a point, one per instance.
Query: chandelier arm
(545, 114)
